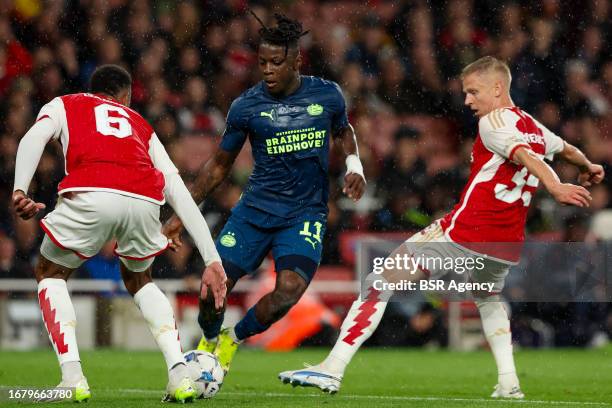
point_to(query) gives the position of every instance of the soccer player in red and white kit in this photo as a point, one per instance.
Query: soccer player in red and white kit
(507, 165)
(118, 174)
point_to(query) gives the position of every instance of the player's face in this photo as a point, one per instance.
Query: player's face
(480, 93)
(279, 71)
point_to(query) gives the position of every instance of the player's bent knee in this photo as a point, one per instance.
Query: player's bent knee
(59, 256)
(290, 285)
(137, 265)
(300, 265)
(134, 281)
(289, 289)
(47, 269)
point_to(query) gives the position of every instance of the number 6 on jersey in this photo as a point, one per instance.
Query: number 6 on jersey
(112, 125)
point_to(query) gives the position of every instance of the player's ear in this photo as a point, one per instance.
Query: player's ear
(297, 64)
(498, 89)
(124, 97)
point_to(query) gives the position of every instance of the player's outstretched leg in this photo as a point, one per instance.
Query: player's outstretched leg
(359, 324)
(158, 313)
(270, 308)
(496, 327)
(60, 320)
(211, 319)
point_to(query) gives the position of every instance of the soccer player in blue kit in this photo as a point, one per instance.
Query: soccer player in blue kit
(290, 120)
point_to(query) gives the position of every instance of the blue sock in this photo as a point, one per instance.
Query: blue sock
(210, 328)
(249, 325)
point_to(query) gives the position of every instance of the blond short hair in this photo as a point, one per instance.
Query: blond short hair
(488, 64)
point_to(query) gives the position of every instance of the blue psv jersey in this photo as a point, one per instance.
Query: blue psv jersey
(290, 139)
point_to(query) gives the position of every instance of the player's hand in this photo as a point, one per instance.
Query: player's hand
(571, 194)
(172, 230)
(215, 279)
(25, 207)
(591, 174)
(354, 186)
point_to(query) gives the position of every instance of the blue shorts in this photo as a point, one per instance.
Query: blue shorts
(296, 246)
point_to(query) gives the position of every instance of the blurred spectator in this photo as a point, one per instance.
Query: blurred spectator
(196, 115)
(10, 265)
(15, 59)
(581, 94)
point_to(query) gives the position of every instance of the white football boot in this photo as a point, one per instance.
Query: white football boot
(312, 376)
(512, 393)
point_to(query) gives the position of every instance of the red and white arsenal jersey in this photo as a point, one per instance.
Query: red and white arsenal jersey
(105, 145)
(494, 203)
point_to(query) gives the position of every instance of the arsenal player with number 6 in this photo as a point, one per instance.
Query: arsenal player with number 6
(118, 174)
(507, 166)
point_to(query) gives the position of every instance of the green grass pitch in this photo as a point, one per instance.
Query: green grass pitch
(376, 377)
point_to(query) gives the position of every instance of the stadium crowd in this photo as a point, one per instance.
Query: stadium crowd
(396, 61)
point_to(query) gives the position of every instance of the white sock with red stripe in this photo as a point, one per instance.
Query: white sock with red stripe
(158, 313)
(358, 325)
(496, 327)
(60, 321)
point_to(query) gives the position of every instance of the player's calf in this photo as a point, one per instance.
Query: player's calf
(211, 320)
(496, 328)
(158, 314)
(288, 290)
(59, 317)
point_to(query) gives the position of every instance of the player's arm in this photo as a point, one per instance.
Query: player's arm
(499, 135)
(345, 142)
(590, 173)
(29, 152)
(354, 180)
(564, 193)
(180, 200)
(214, 171)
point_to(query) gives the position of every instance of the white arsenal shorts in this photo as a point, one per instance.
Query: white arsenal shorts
(83, 222)
(432, 244)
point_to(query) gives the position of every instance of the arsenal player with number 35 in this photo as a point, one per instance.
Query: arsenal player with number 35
(118, 174)
(489, 220)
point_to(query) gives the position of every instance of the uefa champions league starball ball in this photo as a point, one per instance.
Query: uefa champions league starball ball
(205, 370)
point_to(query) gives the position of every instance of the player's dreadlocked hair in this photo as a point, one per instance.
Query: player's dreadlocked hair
(286, 33)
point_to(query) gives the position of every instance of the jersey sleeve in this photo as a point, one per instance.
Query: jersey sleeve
(340, 118)
(499, 134)
(159, 157)
(554, 144)
(29, 152)
(52, 115)
(235, 132)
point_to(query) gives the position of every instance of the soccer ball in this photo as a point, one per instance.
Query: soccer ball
(205, 370)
